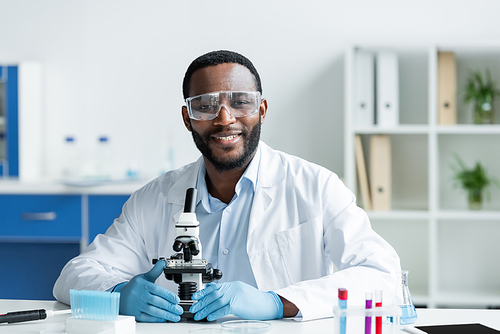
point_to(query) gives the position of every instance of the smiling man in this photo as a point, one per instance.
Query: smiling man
(274, 224)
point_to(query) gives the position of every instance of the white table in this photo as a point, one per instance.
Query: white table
(489, 318)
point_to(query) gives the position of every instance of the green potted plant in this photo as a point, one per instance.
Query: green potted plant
(475, 181)
(482, 92)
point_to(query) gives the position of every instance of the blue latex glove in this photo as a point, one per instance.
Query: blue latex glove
(236, 298)
(147, 301)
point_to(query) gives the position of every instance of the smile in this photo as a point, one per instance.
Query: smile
(228, 138)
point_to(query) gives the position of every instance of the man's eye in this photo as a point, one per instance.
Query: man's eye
(240, 104)
(204, 107)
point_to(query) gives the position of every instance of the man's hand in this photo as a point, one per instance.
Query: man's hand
(236, 298)
(149, 302)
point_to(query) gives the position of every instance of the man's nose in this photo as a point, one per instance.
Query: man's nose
(224, 117)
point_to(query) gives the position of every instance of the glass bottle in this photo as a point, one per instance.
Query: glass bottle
(71, 163)
(409, 314)
(103, 159)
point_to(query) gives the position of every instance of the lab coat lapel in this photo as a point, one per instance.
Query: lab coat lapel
(177, 193)
(260, 204)
(271, 173)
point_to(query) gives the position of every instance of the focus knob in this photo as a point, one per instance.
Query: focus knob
(217, 274)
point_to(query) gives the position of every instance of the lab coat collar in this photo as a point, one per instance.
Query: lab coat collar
(177, 193)
(271, 170)
(271, 173)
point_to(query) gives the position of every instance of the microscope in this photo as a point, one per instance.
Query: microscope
(188, 269)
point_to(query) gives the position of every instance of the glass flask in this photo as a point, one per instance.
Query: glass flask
(409, 314)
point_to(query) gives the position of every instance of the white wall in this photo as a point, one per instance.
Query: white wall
(115, 67)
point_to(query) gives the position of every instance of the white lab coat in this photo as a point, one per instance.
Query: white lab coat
(303, 222)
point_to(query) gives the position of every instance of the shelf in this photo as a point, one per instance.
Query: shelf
(426, 129)
(399, 215)
(468, 299)
(448, 249)
(462, 215)
(401, 129)
(469, 129)
(467, 215)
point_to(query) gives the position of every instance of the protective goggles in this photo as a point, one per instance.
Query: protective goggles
(207, 106)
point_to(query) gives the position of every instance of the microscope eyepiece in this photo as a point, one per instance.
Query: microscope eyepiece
(190, 202)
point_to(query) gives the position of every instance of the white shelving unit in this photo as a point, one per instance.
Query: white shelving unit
(451, 252)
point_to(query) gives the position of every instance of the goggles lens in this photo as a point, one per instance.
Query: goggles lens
(207, 106)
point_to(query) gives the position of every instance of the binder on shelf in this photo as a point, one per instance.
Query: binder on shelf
(362, 174)
(387, 73)
(364, 89)
(447, 88)
(380, 172)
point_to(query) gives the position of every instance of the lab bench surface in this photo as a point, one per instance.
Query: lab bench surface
(490, 318)
(126, 187)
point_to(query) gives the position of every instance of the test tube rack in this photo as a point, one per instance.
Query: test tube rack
(355, 317)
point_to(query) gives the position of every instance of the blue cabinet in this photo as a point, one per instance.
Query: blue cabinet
(30, 269)
(103, 209)
(9, 131)
(41, 217)
(39, 234)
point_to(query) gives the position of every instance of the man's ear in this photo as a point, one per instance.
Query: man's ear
(263, 110)
(185, 118)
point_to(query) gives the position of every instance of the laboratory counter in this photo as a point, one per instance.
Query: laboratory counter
(490, 318)
(71, 187)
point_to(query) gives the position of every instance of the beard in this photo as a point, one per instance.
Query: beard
(250, 144)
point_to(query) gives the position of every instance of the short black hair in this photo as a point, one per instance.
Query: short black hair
(215, 58)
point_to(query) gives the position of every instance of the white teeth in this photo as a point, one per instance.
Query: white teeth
(226, 138)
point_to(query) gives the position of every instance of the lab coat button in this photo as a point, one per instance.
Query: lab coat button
(225, 251)
(228, 209)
